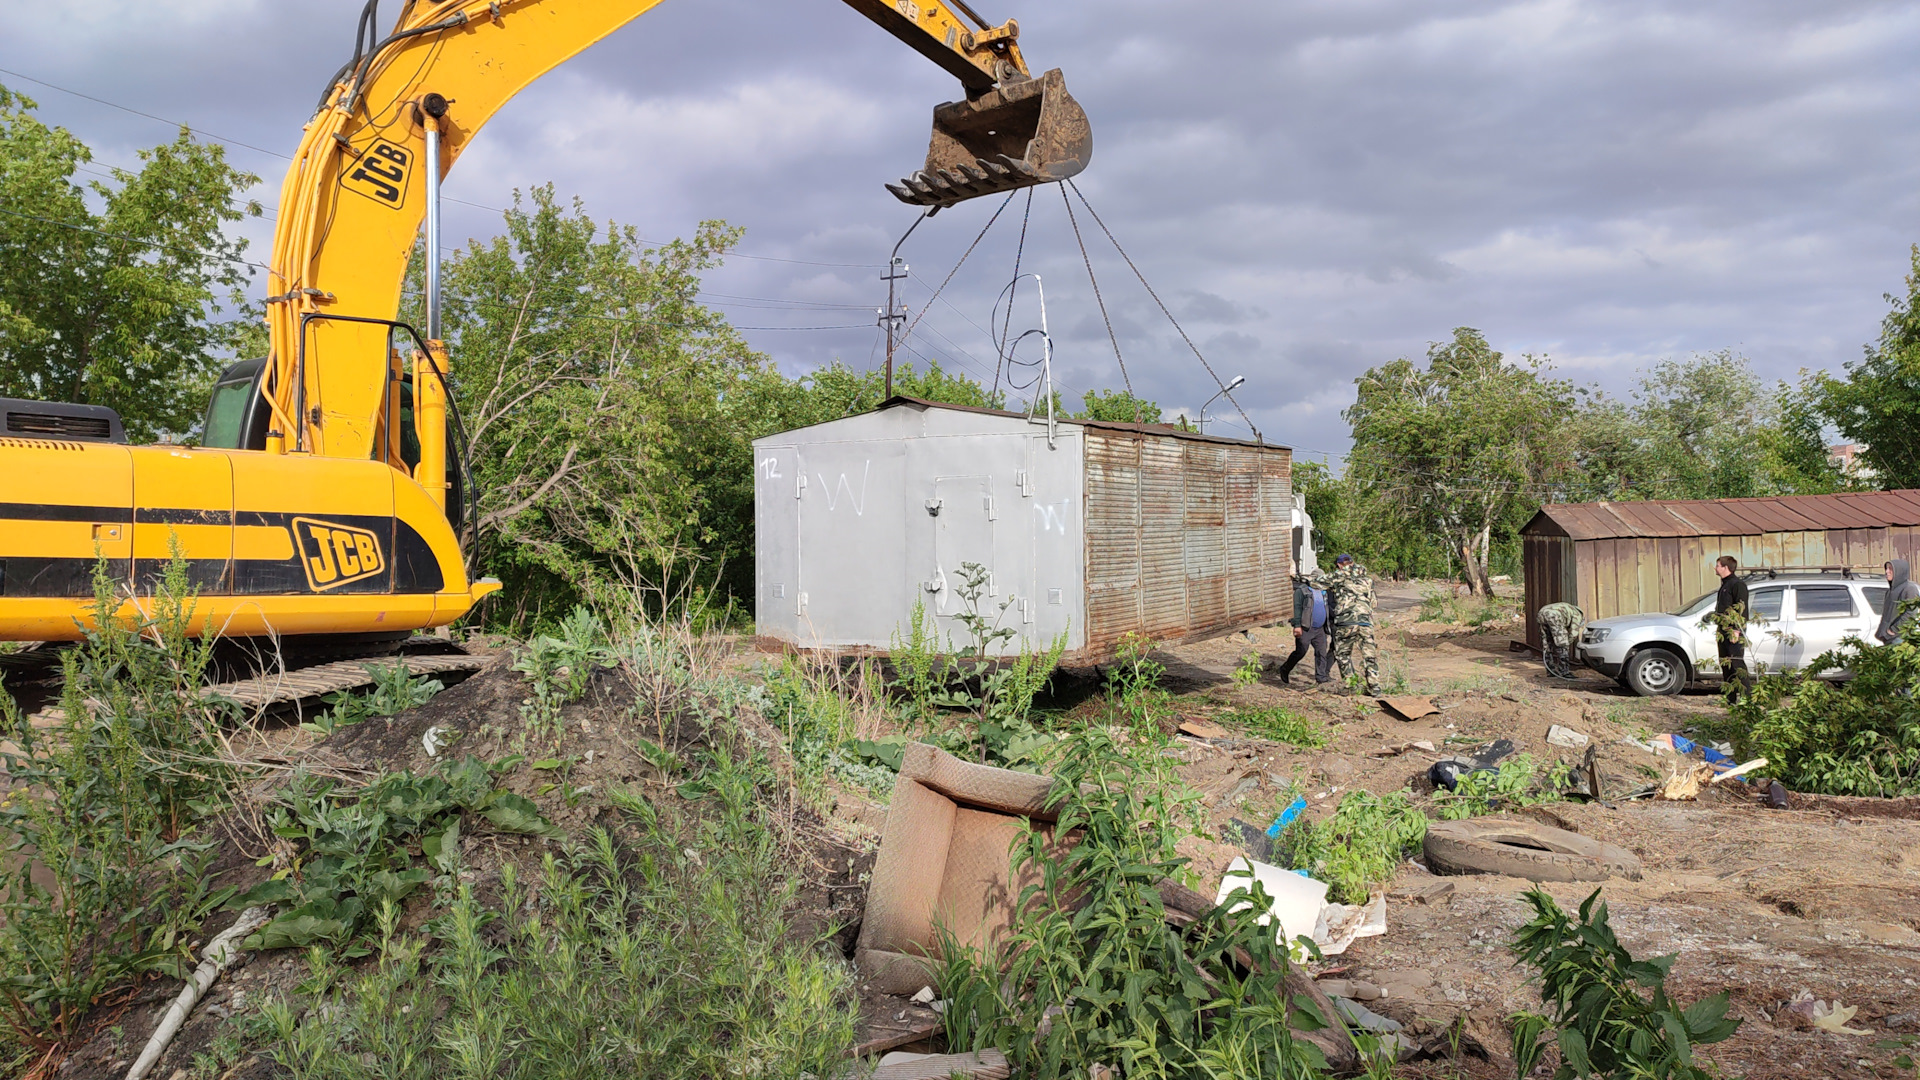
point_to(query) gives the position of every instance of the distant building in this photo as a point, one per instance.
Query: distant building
(1846, 458)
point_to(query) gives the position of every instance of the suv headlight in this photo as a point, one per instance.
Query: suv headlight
(1594, 635)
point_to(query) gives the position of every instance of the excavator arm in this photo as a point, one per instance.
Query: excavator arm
(355, 196)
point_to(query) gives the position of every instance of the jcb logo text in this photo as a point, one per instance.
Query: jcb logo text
(334, 555)
(381, 173)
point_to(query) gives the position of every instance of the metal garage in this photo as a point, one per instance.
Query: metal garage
(1621, 558)
(1096, 529)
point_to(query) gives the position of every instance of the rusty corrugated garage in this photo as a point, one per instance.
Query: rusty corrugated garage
(1624, 558)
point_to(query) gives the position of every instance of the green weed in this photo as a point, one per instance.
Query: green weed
(395, 690)
(1106, 979)
(1360, 846)
(107, 801)
(1514, 783)
(1134, 697)
(1248, 671)
(1281, 725)
(1611, 1012)
(353, 847)
(658, 947)
(558, 667)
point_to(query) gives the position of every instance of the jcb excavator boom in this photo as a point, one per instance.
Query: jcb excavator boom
(324, 498)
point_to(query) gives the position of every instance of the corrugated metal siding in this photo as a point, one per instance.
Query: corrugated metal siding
(1732, 517)
(1195, 534)
(1113, 535)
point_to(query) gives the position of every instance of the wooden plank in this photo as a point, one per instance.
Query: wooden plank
(311, 682)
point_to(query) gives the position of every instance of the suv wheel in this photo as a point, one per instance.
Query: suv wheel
(1655, 672)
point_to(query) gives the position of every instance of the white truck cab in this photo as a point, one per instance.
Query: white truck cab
(1307, 542)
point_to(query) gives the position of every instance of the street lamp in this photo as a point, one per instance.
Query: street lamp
(1237, 380)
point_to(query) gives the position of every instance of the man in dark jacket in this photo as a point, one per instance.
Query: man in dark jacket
(1901, 590)
(1310, 628)
(1730, 611)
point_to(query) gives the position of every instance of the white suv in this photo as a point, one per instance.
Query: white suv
(1798, 614)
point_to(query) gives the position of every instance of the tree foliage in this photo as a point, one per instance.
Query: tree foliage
(111, 291)
(1118, 407)
(1451, 449)
(1877, 404)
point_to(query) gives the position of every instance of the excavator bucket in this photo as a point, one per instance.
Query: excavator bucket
(1013, 136)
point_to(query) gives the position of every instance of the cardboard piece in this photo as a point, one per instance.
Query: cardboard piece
(1408, 708)
(944, 862)
(1200, 729)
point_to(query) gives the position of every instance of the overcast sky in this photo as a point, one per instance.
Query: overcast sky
(1314, 187)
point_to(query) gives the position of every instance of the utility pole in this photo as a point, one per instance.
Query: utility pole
(896, 314)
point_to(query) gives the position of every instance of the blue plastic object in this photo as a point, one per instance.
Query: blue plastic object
(1286, 816)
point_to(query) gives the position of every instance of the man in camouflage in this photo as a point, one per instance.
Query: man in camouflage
(1559, 628)
(1350, 594)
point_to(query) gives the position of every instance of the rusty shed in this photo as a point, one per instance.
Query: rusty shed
(1091, 529)
(1621, 558)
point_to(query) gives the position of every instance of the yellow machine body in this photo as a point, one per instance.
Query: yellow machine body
(325, 527)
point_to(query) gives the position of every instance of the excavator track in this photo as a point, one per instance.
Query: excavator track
(287, 687)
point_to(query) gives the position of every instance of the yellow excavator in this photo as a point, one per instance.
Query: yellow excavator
(326, 495)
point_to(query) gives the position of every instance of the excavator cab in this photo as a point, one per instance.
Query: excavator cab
(1015, 135)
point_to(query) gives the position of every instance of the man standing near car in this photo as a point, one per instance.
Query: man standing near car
(1730, 610)
(1350, 593)
(1901, 590)
(1310, 620)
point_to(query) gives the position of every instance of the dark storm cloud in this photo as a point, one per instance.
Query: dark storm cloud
(1315, 187)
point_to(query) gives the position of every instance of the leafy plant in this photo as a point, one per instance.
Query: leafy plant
(1612, 1015)
(106, 801)
(1248, 671)
(1281, 725)
(559, 666)
(1134, 697)
(352, 848)
(919, 668)
(1514, 783)
(1093, 973)
(395, 690)
(1857, 737)
(658, 947)
(1359, 846)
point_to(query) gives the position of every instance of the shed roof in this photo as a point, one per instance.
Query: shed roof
(1172, 430)
(1728, 517)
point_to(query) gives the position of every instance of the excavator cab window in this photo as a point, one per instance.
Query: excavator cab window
(236, 414)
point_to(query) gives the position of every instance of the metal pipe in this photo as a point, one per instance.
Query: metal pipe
(1237, 380)
(435, 107)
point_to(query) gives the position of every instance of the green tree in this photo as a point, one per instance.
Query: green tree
(117, 306)
(1458, 448)
(604, 413)
(1877, 404)
(1119, 407)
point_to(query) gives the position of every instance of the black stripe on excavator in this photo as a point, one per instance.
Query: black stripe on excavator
(411, 566)
(58, 512)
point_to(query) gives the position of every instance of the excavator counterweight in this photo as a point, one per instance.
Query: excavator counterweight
(1013, 136)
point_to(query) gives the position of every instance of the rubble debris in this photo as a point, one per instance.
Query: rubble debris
(1525, 849)
(1340, 925)
(944, 859)
(1423, 892)
(1566, 736)
(1408, 708)
(1356, 989)
(1397, 750)
(1297, 899)
(984, 1065)
(1826, 1015)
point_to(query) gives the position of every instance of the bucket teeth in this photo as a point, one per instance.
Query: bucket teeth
(945, 187)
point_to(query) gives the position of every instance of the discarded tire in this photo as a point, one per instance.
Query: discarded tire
(1526, 849)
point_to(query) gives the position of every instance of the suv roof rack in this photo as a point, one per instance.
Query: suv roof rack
(1770, 572)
